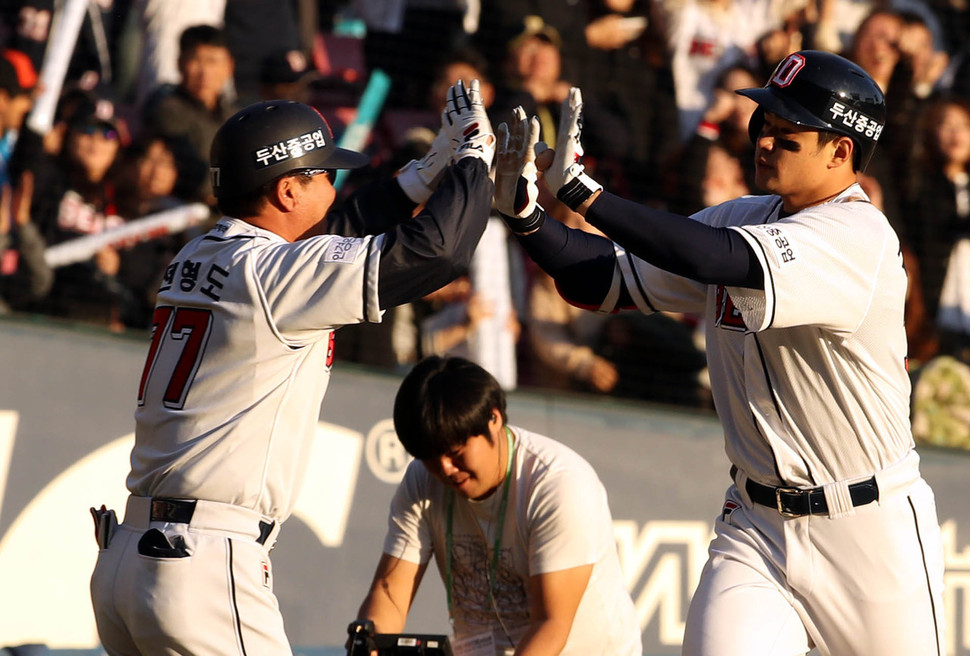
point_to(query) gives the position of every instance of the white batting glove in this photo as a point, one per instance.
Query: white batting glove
(566, 177)
(467, 124)
(420, 177)
(516, 190)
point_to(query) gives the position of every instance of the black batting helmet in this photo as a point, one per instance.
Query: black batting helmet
(822, 90)
(267, 140)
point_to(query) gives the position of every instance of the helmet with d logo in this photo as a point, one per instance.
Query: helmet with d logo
(824, 91)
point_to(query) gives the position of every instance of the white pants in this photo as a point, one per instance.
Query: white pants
(858, 585)
(216, 600)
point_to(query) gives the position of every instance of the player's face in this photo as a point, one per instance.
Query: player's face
(789, 162)
(476, 468)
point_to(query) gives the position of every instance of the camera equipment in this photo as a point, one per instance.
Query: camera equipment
(363, 641)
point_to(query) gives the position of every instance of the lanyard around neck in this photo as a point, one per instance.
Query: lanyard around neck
(449, 537)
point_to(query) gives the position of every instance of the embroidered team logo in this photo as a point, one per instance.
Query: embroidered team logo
(787, 70)
(726, 315)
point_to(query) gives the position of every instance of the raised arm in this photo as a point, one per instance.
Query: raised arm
(421, 255)
(669, 241)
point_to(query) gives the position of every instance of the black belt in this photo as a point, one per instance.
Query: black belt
(180, 511)
(796, 502)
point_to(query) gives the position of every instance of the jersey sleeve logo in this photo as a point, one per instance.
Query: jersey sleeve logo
(343, 249)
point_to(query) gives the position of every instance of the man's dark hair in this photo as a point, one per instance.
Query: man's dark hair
(201, 35)
(826, 137)
(442, 402)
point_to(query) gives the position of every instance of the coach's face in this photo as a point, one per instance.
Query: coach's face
(476, 468)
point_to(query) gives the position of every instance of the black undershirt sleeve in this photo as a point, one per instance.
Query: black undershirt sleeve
(582, 264)
(422, 254)
(678, 244)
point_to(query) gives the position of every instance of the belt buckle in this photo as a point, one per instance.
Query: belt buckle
(778, 506)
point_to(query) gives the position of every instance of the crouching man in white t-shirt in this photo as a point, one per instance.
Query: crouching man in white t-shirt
(518, 525)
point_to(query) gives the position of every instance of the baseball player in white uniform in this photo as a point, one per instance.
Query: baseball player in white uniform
(828, 537)
(239, 362)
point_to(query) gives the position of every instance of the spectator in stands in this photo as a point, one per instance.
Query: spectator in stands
(197, 106)
(720, 138)
(410, 39)
(287, 74)
(25, 277)
(256, 30)
(157, 173)
(17, 81)
(75, 193)
(705, 37)
(563, 339)
(161, 24)
(448, 318)
(875, 49)
(463, 64)
(533, 79)
(937, 207)
(625, 68)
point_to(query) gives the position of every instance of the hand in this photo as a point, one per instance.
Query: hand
(603, 374)
(516, 190)
(419, 178)
(566, 177)
(467, 124)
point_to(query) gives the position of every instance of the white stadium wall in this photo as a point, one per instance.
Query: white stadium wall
(66, 404)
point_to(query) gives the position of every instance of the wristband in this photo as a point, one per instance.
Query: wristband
(525, 224)
(577, 191)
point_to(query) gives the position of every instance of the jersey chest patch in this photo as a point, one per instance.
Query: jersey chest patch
(726, 315)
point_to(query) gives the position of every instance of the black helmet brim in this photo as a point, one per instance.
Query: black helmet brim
(771, 101)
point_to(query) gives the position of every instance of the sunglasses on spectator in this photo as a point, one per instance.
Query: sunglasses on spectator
(105, 131)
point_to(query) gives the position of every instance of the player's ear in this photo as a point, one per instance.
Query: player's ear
(843, 152)
(283, 193)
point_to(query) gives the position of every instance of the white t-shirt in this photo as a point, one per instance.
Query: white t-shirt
(239, 363)
(557, 518)
(809, 376)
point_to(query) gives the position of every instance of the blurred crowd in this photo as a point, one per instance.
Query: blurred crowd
(150, 81)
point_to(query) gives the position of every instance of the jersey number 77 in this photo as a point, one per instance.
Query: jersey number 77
(179, 338)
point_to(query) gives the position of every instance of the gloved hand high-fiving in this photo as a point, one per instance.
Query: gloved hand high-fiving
(420, 177)
(467, 124)
(566, 176)
(515, 174)
(465, 130)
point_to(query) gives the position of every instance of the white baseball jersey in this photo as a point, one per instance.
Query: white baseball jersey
(809, 379)
(809, 375)
(241, 348)
(558, 518)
